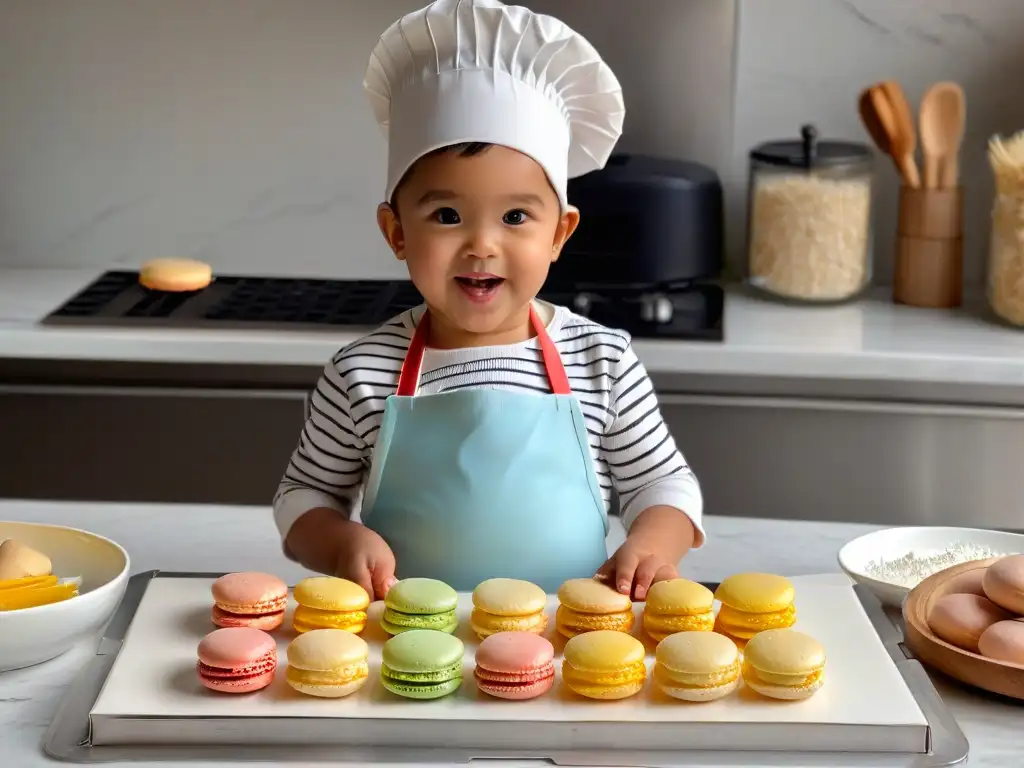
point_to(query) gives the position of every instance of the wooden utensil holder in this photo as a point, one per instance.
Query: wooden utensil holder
(928, 268)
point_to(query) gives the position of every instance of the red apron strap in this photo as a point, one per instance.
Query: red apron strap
(409, 379)
(552, 360)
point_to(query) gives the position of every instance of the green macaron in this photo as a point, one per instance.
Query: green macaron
(422, 664)
(420, 604)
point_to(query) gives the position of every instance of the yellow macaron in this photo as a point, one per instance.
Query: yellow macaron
(754, 602)
(588, 605)
(678, 605)
(697, 666)
(784, 664)
(327, 602)
(508, 605)
(329, 663)
(604, 664)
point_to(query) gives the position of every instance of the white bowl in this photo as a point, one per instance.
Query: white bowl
(893, 543)
(32, 635)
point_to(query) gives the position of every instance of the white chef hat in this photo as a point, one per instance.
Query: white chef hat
(481, 71)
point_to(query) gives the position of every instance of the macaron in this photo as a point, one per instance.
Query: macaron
(175, 275)
(783, 664)
(327, 602)
(249, 599)
(678, 605)
(515, 665)
(604, 664)
(1004, 583)
(960, 619)
(420, 603)
(588, 605)
(754, 602)
(236, 660)
(329, 663)
(422, 664)
(508, 605)
(1004, 641)
(697, 666)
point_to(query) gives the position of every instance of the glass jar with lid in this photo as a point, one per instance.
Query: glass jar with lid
(809, 219)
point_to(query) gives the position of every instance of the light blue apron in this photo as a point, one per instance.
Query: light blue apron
(480, 483)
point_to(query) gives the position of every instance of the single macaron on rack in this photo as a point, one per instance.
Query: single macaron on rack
(678, 605)
(327, 602)
(422, 664)
(588, 605)
(237, 660)
(515, 665)
(420, 604)
(249, 599)
(329, 663)
(508, 605)
(752, 603)
(604, 664)
(783, 664)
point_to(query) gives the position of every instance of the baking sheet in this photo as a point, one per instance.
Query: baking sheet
(169, 703)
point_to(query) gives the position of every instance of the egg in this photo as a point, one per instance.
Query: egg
(960, 619)
(1004, 583)
(1004, 641)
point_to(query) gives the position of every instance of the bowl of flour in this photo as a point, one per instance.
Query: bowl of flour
(893, 561)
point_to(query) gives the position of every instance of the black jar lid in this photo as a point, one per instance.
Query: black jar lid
(808, 152)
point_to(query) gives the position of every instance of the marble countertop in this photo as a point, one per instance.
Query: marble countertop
(870, 340)
(243, 538)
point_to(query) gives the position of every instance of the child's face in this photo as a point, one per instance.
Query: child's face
(478, 234)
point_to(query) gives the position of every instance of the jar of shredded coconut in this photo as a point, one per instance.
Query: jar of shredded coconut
(809, 219)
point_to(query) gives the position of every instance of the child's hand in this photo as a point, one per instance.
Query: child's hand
(326, 541)
(365, 558)
(634, 567)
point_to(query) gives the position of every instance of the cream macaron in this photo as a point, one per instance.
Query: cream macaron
(783, 664)
(697, 666)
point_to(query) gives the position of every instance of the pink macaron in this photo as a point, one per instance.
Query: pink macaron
(251, 599)
(959, 619)
(515, 665)
(237, 660)
(1004, 583)
(1004, 641)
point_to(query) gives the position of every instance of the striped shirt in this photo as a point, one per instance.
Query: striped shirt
(633, 452)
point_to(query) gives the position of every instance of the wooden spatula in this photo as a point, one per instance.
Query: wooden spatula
(942, 118)
(904, 140)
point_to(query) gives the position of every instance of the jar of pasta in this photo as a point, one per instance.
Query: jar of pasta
(1006, 244)
(809, 219)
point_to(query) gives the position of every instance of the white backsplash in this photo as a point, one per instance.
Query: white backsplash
(236, 131)
(801, 61)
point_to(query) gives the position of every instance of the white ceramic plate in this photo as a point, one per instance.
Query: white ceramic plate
(893, 543)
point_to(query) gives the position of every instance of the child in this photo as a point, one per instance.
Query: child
(486, 431)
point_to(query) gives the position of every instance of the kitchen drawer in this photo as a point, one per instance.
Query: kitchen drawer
(889, 463)
(146, 444)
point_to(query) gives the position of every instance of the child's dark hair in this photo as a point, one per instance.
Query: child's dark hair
(464, 149)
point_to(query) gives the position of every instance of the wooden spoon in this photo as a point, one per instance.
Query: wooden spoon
(942, 118)
(879, 120)
(876, 124)
(904, 140)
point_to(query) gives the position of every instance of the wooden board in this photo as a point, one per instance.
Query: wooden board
(971, 668)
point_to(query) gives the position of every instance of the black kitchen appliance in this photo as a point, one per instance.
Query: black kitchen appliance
(644, 221)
